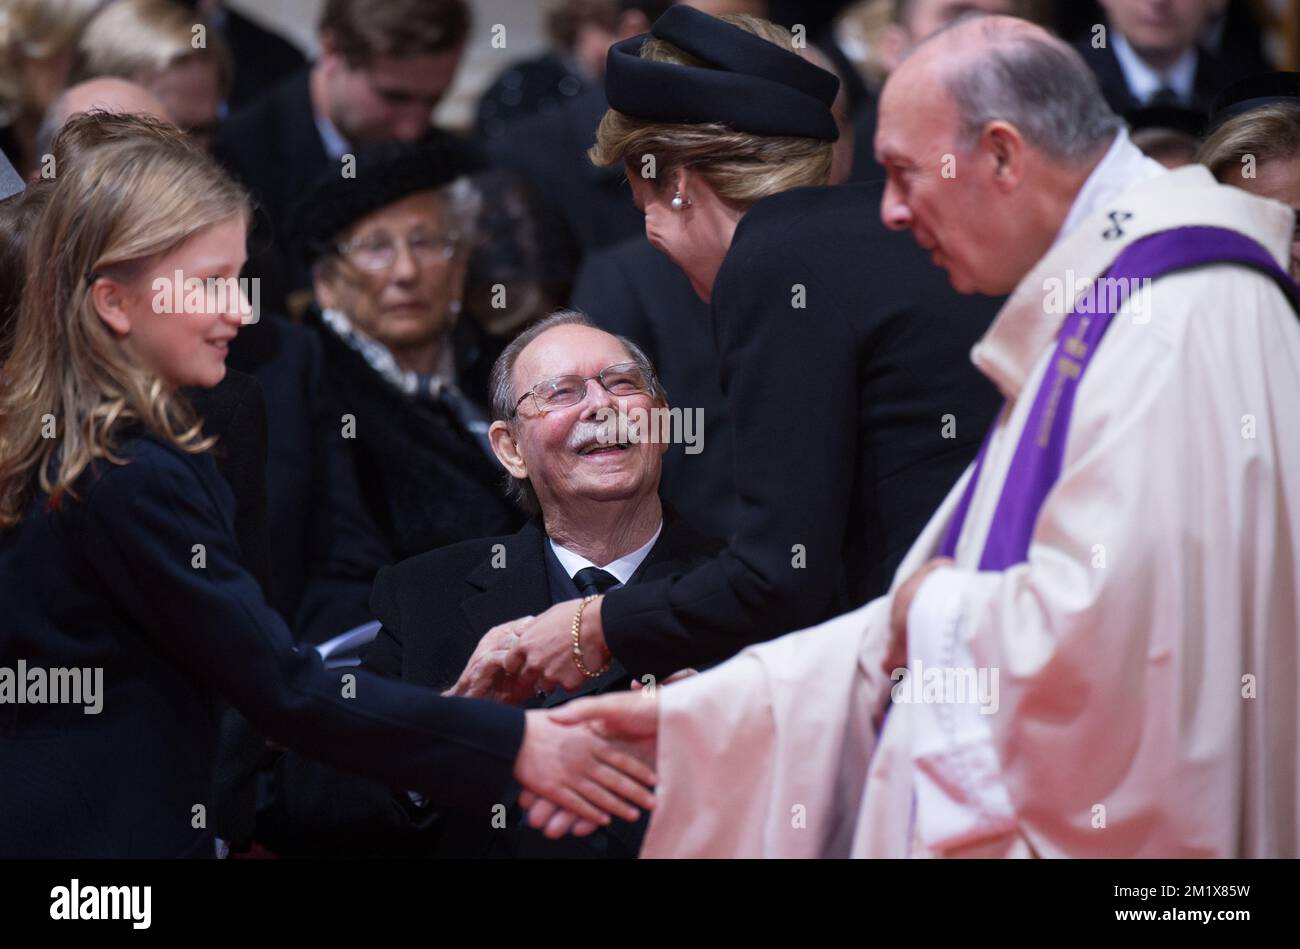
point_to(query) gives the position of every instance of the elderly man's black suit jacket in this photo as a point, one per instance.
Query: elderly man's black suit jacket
(435, 608)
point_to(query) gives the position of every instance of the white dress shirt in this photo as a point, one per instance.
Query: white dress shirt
(621, 569)
(336, 146)
(1144, 80)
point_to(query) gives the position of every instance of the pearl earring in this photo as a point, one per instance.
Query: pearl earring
(679, 202)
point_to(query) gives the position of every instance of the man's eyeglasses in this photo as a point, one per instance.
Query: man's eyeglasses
(378, 251)
(622, 379)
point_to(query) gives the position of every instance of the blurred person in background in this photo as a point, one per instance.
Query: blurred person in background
(18, 213)
(583, 208)
(37, 42)
(1232, 32)
(898, 26)
(1151, 53)
(261, 57)
(383, 66)
(107, 94)
(580, 33)
(388, 252)
(1170, 134)
(506, 284)
(164, 47)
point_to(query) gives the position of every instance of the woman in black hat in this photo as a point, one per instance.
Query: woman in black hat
(843, 354)
(388, 249)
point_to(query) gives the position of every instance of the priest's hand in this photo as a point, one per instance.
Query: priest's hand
(630, 717)
(574, 771)
(902, 602)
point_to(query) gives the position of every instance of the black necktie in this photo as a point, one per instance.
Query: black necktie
(1164, 96)
(592, 581)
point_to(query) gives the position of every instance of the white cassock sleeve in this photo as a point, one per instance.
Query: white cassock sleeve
(960, 795)
(1156, 578)
(767, 754)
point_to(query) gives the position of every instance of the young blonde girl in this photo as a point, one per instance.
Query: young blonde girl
(119, 572)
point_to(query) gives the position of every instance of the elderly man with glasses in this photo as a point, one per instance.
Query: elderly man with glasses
(568, 402)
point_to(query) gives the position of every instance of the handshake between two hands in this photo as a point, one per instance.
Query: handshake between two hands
(589, 761)
(580, 764)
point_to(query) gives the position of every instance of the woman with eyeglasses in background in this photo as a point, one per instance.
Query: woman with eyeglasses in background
(389, 250)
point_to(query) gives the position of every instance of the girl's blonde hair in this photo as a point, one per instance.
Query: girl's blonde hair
(740, 166)
(68, 385)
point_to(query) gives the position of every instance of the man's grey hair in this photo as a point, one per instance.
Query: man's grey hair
(1032, 81)
(502, 393)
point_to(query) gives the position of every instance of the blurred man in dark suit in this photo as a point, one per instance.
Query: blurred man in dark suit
(1150, 54)
(384, 66)
(260, 56)
(597, 524)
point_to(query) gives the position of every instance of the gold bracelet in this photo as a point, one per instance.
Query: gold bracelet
(577, 646)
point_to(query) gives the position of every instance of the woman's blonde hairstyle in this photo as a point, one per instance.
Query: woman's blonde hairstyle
(138, 39)
(740, 166)
(35, 29)
(1267, 133)
(112, 210)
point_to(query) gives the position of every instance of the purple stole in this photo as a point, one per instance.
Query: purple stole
(1037, 461)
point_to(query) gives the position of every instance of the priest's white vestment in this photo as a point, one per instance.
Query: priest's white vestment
(1147, 691)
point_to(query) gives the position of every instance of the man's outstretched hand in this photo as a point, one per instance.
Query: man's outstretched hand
(571, 768)
(630, 722)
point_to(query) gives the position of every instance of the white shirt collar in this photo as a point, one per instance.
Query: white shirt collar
(336, 146)
(1120, 168)
(1144, 81)
(622, 568)
(1024, 326)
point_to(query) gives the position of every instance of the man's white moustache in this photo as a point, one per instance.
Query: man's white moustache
(585, 434)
